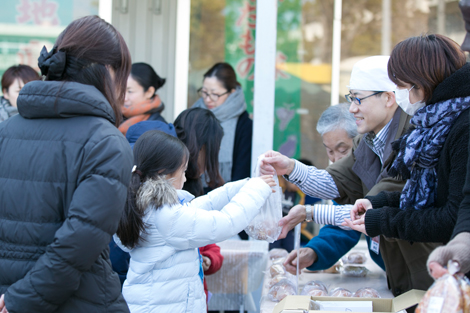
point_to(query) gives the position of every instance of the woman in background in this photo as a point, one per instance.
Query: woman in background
(222, 94)
(142, 102)
(13, 81)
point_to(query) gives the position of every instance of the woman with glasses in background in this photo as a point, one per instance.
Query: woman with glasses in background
(222, 94)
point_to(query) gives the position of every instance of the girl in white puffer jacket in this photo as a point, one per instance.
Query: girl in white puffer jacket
(163, 226)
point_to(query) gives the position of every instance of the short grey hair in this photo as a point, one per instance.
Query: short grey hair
(335, 117)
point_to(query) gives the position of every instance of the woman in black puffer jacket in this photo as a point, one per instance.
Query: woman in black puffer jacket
(64, 172)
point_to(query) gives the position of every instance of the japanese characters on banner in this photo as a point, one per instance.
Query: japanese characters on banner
(240, 32)
(28, 25)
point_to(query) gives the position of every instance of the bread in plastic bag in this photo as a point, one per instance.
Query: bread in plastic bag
(340, 292)
(315, 288)
(367, 292)
(450, 293)
(265, 225)
(353, 270)
(354, 258)
(279, 261)
(281, 290)
(278, 278)
(277, 253)
(277, 269)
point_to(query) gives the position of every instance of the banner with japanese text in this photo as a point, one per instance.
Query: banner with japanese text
(240, 33)
(28, 25)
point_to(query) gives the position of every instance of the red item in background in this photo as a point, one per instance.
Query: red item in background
(212, 251)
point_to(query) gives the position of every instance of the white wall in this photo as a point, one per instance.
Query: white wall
(149, 28)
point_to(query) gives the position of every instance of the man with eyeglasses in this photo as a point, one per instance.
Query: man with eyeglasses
(379, 122)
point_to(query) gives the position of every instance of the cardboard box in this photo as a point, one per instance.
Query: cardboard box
(294, 304)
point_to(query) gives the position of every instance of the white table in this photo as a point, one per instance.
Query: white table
(376, 279)
(241, 274)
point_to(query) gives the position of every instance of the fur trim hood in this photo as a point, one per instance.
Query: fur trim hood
(156, 192)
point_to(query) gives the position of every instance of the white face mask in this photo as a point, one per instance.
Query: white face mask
(402, 97)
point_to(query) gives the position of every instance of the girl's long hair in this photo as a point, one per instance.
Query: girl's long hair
(200, 131)
(156, 154)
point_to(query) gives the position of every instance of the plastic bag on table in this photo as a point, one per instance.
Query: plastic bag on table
(450, 293)
(278, 278)
(340, 292)
(281, 290)
(367, 292)
(265, 226)
(315, 288)
(277, 253)
(354, 258)
(352, 270)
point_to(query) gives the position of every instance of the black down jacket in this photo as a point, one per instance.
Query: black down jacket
(64, 172)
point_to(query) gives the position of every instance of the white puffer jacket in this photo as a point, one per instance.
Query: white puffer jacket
(164, 269)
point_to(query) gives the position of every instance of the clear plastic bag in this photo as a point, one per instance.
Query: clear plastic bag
(315, 288)
(276, 270)
(340, 292)
(281, 290)
(367, 292)
(265, 226)
(277, 253)
(450, 293)
(354, 258)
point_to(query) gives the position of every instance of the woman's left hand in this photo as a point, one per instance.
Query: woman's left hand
(358, 224)
(206, 263)
(2, 305)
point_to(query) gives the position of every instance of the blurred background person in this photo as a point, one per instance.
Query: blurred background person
(142, 102)
(13, 81)
(202, 133)
(223, 95)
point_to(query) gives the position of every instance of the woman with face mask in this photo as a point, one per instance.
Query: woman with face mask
(432, 77)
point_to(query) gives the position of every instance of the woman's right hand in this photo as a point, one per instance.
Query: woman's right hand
(359, 208)
(269, 179)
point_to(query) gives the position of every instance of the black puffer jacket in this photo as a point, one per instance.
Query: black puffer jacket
(64, 172)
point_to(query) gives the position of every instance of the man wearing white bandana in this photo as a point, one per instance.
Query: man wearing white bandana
(364, 172)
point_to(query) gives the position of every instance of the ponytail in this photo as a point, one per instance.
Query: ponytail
(156, 154)
(131, 223)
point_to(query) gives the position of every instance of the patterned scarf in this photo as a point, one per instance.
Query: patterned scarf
(139, 112)
(420, 148)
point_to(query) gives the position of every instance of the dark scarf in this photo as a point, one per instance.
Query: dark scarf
(419, 149)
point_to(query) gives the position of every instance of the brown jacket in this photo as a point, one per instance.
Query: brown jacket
(361, 174)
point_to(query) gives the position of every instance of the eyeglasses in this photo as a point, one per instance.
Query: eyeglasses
(214, 97)
(356, 100)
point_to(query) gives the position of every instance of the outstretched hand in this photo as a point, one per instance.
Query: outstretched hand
(269, 179)
(276, 163)
(306, 258)
(360, 208)
(296, 215)
(357, 225)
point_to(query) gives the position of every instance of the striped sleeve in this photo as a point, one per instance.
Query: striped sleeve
(313, 182)
(331, 214)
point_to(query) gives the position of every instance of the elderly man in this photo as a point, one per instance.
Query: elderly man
(363, 172)
(337, 126)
